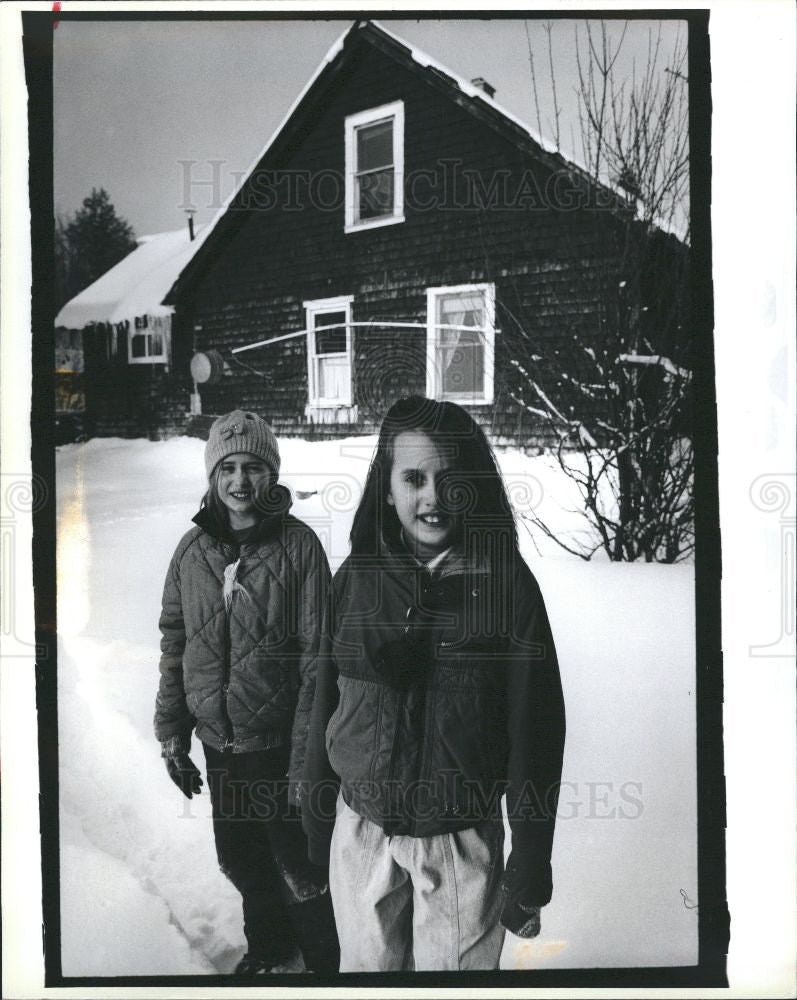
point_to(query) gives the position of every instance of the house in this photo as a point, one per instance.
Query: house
(113, 344)
(399, 233)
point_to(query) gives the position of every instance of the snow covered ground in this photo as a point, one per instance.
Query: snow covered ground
(140, 889)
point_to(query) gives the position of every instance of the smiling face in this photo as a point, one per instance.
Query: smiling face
(419, 465)
(241, 479)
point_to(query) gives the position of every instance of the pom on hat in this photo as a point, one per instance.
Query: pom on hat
(241, 431)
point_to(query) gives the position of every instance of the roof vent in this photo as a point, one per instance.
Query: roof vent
(482, 84)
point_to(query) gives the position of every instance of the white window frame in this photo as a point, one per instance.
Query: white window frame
(394, 110)
(434, 381)
(341, 303)
(150, 359)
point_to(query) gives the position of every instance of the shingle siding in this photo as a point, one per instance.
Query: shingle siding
(548, 265)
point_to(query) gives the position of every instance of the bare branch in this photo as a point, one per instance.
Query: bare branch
(548, 25)
(533, 78)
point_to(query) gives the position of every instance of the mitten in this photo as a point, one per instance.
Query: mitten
(526, 889)
(522, 920)
(184, 773)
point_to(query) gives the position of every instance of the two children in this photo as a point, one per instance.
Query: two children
(436, 691)
(240, 632)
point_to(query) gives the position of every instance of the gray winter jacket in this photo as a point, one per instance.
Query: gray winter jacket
(244, 679)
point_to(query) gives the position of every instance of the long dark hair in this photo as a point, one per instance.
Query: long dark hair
(474, 488)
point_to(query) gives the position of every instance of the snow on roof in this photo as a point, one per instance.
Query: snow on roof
(426, 61)
(137, 285)
(334, 49)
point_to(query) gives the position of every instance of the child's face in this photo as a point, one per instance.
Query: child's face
(241, 479)
(418, 467)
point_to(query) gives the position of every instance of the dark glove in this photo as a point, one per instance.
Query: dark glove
(524, 894)
(185, 774)
(522, 920)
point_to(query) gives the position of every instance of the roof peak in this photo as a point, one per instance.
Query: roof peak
(370, 30)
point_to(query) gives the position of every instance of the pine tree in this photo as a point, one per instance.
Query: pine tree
(89, 244)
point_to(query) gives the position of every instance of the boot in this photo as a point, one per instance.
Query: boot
(253, 965)
(314, 926)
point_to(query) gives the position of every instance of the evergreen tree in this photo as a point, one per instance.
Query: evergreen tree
(89, 244)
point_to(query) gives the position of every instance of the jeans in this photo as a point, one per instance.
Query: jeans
(262, 850)
(422, 903)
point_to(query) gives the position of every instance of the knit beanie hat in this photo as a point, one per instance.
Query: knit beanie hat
(241, 431)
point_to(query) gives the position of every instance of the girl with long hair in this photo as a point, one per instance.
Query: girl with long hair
(438, 691)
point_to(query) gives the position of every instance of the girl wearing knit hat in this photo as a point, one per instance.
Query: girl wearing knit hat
(240, 631)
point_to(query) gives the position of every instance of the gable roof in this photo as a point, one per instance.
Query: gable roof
(137, 285)
(464, 93)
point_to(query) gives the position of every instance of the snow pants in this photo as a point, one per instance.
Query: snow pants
(422, 903)
(263, 851)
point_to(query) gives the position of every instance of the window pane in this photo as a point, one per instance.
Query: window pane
(461, 310)
(156, 344)
(375, 195)
(334, 376)
(138, 345)
(375, 146)
(461, 353)
(330, 341)
(462, 364)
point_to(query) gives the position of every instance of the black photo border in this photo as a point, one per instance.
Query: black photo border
(713, 915)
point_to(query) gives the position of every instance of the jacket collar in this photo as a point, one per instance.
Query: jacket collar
(455, 562)
(264, 529)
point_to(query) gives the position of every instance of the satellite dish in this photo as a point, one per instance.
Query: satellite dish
(207, 367)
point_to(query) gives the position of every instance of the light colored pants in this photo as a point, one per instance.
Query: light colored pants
(428, 903)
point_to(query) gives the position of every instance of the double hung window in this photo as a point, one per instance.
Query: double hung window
(375, 167)
(460, 342)
(329, 351)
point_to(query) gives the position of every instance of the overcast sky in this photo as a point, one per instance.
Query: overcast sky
(132, 99)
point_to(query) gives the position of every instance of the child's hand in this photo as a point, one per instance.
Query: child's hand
(521, 889)
(185, 774)
(524, 921)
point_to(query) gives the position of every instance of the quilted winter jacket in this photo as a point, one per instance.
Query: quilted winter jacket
(243, 679)
(480, 714)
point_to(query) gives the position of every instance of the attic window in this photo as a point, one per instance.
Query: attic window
(375, 167)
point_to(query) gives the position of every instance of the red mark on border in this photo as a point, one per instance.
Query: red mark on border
(56, 10)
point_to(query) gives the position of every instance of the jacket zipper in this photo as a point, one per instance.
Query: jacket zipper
(413, 824)
(430, 647)
(229, 740)
(402, 699)
(393, 823)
